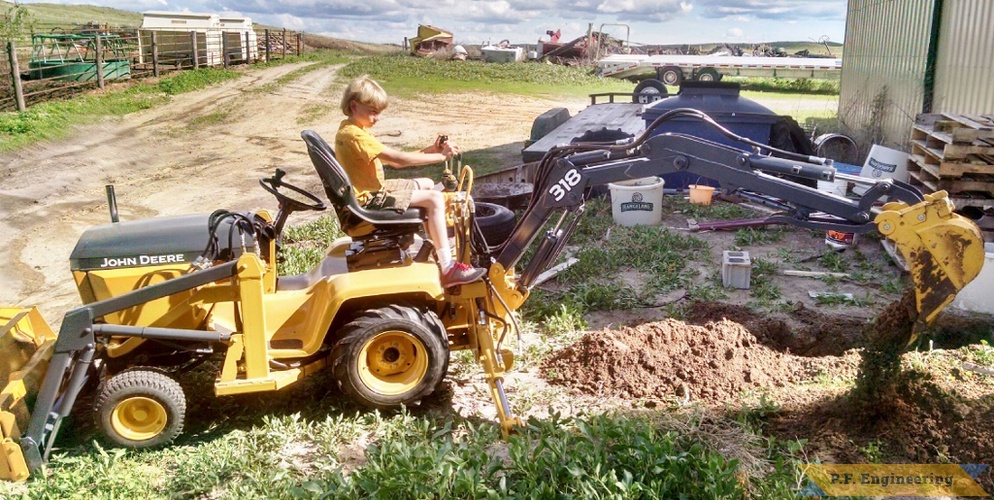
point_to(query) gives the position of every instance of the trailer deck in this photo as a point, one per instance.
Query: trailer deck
(624, 65)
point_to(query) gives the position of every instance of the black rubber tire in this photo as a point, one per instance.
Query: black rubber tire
(671, 75)
(708, 75)
(429, 345)
(649, 90)
(496, 222)
(140, 387)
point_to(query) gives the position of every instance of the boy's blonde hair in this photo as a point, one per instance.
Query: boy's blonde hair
(364, 90)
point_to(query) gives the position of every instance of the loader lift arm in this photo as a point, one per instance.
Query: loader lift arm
(73, 352)
(943, 249)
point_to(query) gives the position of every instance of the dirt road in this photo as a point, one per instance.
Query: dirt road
(203, 151)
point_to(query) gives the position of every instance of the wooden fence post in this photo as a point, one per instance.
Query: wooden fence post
(155, 55)
(15, 76)
(99, 61)
(300, 45)
(196, 56)
(225, 53)
(283, 43)
(248, 49)
(267, 44)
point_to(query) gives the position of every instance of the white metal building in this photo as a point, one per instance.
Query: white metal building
(174, 29)
(238, 39)
(905, 57)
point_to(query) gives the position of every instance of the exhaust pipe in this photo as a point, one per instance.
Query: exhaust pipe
(112, 203)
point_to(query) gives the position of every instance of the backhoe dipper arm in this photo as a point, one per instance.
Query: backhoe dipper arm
(919, 225)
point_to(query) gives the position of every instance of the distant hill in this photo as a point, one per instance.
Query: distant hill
(50, 17)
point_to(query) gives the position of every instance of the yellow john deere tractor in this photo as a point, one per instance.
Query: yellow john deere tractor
(165, 294)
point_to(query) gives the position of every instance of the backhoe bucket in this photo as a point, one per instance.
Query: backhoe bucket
(943, 250)
(26, 343)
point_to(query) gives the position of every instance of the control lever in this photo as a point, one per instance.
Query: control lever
(449, 182)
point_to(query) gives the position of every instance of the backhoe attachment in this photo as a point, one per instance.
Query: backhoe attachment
(26, 342)
(943, 250)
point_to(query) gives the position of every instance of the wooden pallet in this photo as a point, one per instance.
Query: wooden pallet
(954, 153)
(951, 146)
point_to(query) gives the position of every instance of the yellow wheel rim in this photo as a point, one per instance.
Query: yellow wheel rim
(392, 363)
(139, 418)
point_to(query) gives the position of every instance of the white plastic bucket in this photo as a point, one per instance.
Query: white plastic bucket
(884, 163)
(637, 202)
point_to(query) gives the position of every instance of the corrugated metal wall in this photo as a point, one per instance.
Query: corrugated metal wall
(964, 80)
(883, 63)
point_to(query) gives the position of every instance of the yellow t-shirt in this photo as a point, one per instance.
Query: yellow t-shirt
(357, 150)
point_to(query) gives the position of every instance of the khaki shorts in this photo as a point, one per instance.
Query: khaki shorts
(396, 195)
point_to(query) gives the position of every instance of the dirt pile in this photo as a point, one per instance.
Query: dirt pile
(712, 363)
(800, 330)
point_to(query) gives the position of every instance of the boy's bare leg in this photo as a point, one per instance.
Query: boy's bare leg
(434, 203)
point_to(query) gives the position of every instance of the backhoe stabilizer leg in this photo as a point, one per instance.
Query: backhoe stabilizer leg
(943, 250)
(487, 356)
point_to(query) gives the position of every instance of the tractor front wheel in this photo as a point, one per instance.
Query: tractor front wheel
(140, 408)
(391, 356)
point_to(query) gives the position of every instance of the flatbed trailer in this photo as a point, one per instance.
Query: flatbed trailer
(673, 69)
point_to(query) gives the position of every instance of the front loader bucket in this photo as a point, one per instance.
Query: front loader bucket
(26, 343)
(943, 250)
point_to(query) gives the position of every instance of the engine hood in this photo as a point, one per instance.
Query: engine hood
(147, 242)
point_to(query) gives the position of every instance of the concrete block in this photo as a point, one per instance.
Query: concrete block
(736, 269)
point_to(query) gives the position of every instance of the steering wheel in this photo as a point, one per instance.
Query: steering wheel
(273, 185)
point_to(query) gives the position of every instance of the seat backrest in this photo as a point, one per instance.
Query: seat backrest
(336, 182)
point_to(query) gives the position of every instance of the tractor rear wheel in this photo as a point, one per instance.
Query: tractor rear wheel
(140, 408)
(391, 356)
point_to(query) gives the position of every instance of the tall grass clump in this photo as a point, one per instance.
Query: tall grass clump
(188, 81)
(787, 85)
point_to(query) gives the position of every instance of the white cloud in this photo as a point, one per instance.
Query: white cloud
(522, 21)
(733, 33)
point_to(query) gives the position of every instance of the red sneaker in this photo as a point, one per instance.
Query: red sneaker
(461, 274)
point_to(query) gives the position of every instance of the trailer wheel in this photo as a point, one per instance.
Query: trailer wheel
(708, 75)
(649, 90)
(140, 408)
(391, 356)
(495, 221)
(671, 75)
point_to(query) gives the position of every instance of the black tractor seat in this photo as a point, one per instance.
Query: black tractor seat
(377, 231)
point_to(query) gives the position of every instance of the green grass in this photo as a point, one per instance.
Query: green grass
(304, 245)
(56, 119)
(331, 453)
(406, 76)
(787, 85)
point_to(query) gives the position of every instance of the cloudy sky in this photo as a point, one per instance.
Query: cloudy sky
(524, 21)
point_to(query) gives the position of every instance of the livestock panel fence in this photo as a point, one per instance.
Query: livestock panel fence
(53, 63)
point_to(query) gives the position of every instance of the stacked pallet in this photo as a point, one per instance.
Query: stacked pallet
(954, 153)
